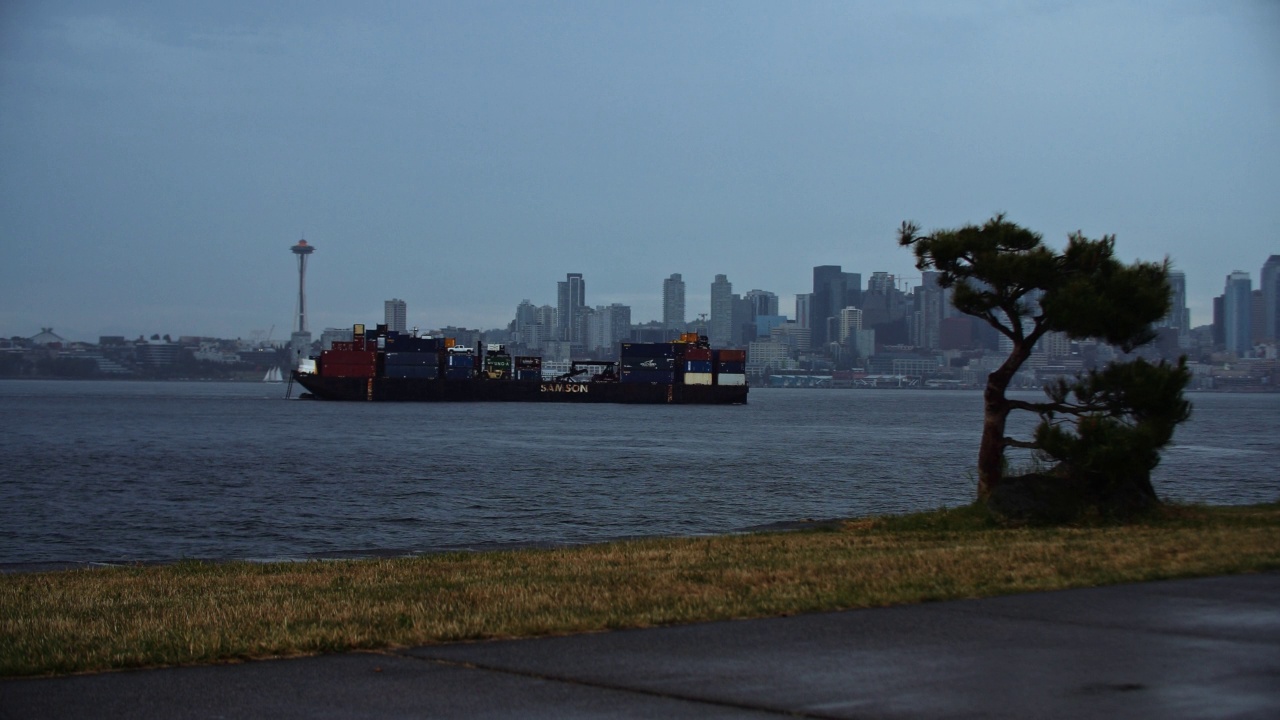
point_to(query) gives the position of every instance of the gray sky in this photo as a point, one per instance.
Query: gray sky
(157, 162)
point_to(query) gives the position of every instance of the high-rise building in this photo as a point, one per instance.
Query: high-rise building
(850, 323)
(1237, 306)
(802, 311)
(571, 299)
(929, 311)
(1270, 283)
(833, 291)
(762, 302)
(1178, 318)
(720, 327)
(673, 303)
(606, 327)
(395, 314)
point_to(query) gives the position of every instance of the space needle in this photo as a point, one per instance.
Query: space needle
(300, 340)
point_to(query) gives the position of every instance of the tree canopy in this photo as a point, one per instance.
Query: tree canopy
(1103, 429)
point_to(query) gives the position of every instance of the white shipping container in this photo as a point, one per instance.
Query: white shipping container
(697, 378)
(732, 379)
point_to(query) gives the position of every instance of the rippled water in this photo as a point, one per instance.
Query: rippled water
(110, 471)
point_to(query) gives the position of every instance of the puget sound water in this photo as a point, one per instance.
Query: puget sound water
(136, 471)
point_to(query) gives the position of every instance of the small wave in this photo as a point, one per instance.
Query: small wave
(1210, 450)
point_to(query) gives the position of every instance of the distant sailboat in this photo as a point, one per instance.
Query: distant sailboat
(273, 375)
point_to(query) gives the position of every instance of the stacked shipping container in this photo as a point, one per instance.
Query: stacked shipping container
(648, 363)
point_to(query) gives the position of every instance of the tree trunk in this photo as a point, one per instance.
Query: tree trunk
(991, 451)
(995, 414)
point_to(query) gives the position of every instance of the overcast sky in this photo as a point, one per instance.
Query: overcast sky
(157, 162)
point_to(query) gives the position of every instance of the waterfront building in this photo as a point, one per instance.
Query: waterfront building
(395, 314)
(765, 356)
(1237, 306)
(673, 303)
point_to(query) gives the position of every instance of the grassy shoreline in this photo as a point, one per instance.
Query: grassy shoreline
(195, 613)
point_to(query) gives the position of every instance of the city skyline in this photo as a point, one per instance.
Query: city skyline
(159, 157)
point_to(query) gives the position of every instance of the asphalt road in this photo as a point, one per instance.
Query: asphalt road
(1179, 649)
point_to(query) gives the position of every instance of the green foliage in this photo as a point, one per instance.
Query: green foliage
(1107, 428)
(1002, 273)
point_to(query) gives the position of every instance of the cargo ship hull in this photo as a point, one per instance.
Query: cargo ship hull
(391, 389)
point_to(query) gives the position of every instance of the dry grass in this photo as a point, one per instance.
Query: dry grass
(99, 619)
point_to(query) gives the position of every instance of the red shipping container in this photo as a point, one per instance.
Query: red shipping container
(361, 371)
(732, 356)
(347, 357)
(696, 353)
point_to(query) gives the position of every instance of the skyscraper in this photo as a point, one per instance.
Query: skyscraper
(763, 302)
(673, 303)
(833, 291)
(850, 323)
(1237, 303)
(720, 328)
(1177, 318)
(571, 294)
(395, 314)
(1270, 282)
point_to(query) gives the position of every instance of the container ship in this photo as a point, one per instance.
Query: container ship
(390, 366)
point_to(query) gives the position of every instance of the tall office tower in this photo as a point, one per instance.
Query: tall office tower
(1270, 282)
(1176, 319)
(850, 323)
(1219, 322)
(1237, 303)
(606, 327)
(762, 302)
(1257, 315)
(526, 320)
(300, 340)
(395, 314)
(880, 282)
(802, 310)
(721, 326)
(833, 291)
(929, 311)
(673, 303)
(571, 294)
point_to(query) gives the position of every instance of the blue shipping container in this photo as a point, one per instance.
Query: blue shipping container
(647, 376)
(697, 366)
(410, 358)
(651, 364)
(461, 361)
(423, 372)
(734, 368)
(648, 350)
(456, 373)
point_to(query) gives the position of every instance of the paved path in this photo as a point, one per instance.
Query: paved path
(1180, 649)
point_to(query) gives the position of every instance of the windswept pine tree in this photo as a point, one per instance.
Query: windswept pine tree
(1104, 429)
